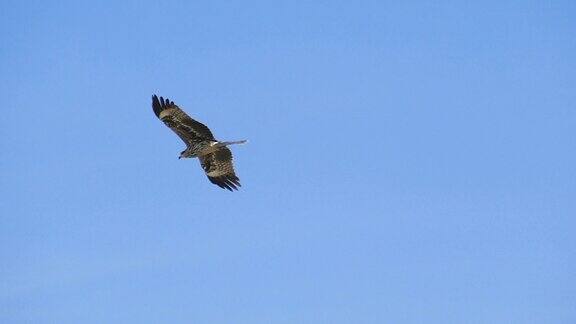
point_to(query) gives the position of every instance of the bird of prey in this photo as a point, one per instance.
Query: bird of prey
(215, 158)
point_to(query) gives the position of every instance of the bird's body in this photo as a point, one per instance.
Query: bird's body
(215, 158)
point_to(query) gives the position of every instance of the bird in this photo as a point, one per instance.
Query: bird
(215, 157)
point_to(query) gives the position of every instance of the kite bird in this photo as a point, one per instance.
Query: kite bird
(215, 158)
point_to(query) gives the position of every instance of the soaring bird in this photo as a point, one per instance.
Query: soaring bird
(215, 158)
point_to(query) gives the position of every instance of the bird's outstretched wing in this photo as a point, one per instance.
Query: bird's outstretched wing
(219, 169)
(189, 130)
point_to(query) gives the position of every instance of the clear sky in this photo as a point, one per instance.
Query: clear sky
(409, 162)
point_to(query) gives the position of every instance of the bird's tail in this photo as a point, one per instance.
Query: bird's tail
(231, 143)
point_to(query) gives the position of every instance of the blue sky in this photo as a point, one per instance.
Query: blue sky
(409, 162)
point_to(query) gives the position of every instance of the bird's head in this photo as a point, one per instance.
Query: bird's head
(182, 155)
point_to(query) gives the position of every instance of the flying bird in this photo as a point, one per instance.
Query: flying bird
(215, 158)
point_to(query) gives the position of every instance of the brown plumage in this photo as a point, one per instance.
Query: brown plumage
(215, 158)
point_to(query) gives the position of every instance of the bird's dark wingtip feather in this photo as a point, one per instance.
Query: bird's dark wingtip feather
(234, 179)
(224, 182)
(160, 104)
(156, 106)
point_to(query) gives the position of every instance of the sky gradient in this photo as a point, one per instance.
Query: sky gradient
(407, 162)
